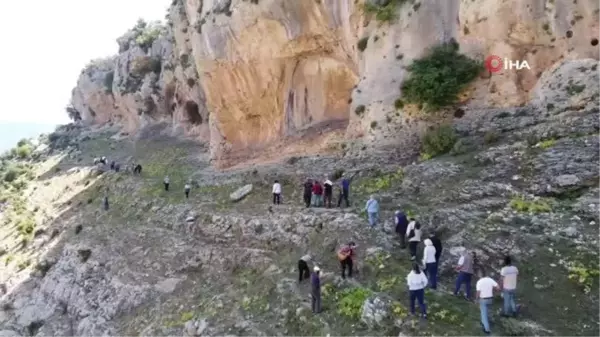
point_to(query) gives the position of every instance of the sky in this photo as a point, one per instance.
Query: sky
(45, 44)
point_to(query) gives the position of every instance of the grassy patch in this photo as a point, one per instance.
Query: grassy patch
(380, 182)
(438, 141)
(348, 301)
(523, 205)
(438, 78)
(548, 143)
(387, 13)
(586, 276)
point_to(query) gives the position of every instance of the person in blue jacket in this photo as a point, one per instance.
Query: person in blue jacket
(372, 209)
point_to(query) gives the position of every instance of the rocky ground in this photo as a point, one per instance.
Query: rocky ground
(522, 181)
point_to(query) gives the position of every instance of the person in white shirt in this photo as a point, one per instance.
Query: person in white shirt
(430, 263)
(276, 193)
(166, 182)
(509, 286)
(187, 189)
(485, 294)
(413, 233)
(417, 281)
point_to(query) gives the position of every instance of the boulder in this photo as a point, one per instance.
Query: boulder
(375, 310)
(240, 193)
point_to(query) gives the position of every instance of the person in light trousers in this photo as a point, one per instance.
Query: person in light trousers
(372, 209)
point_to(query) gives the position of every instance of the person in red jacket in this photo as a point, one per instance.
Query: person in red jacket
(346, 258)
(317, 191)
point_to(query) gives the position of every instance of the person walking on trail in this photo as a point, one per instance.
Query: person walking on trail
(308, 185)
(328, 193)
(413, 234)
(430, 263)
(485, 294)
(317, 192)
(346, 256)
(372, 209)
(117, 167)
(345, 191)
(437, 243)
(166, 182)
(509, 286)
(105, 202)
(303, 271)
(465, 273)
(315, 282)
(137, 169)
(187, 189)
(417, 281)
(401, 226)
(276, 193)
(112, 165)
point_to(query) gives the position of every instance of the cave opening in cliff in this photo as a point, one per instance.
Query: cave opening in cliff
(193, 113)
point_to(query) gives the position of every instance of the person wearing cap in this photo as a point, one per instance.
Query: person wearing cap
(401, 225)
(303, 270)
(315, 282)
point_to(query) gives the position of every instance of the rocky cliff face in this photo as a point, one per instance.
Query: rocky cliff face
(248, 75)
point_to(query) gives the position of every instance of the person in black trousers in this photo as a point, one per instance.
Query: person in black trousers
(437, 243)
(303, 270)
(307, 192)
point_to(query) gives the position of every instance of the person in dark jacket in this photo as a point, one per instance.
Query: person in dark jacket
(105, 202)
(437, 243)
(344, 192)
(401, 225)
(315, 282)
(308, 185)
(137, 169)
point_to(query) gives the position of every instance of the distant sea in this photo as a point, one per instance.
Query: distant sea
(12, 132)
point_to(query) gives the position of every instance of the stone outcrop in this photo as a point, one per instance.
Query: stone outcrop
(254, 75)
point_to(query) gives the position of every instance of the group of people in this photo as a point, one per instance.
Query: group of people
(186, 188)
(424, 275)
(317, 194)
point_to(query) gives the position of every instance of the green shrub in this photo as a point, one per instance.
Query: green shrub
(520, 204)
(491, 137)
(359, 110)
(145, 64)
(548, 143)
(24, 151)
(584, 276)
(350, 301)
(11, 174)
(399, 104)
(385, 13)
(437, 79)
(26, 226)
(108, 81)
(438, 141)
(147, 33)
(23, 142)
(362, 43)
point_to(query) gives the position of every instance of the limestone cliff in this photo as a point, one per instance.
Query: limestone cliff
(254, 75)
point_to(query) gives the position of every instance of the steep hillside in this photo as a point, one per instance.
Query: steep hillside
(272, 77)
(522, 181)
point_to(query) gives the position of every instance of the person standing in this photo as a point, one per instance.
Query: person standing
(346, 256)
(372, 209)
(316, 290)
(345, 191)
(105, 202)
(308, 185)
(437, 243)
(303, 271)
(187, 189)
(430, 263)
(401, 225)
(413, 234)
(485, 294)
(166, 182)
(328, 193)
(509, 286)
(465, 273)
(317, 192)
(417, 281)
(276, 193)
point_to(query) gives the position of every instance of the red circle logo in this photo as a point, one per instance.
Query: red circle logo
(493, 63)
